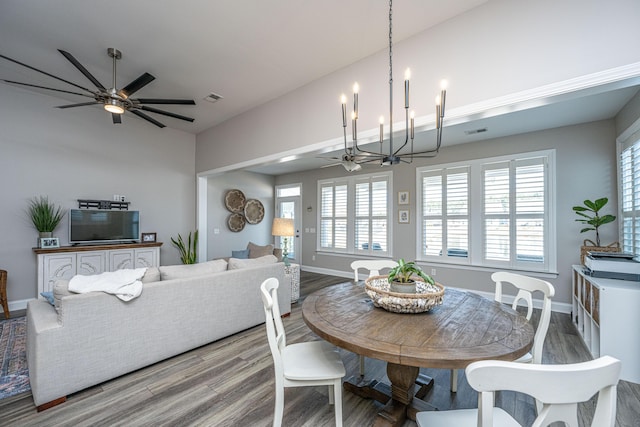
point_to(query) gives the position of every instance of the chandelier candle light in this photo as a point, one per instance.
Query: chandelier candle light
(354, 155)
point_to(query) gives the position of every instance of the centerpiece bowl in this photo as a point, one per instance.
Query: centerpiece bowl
(424, 299)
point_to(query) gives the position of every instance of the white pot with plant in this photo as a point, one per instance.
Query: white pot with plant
(45, 215)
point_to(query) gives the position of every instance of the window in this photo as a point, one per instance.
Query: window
(629, 166)
(490, 212)
(354, 214)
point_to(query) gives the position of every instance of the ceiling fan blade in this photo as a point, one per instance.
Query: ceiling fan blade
(117, 118)
(147, 118)
(136, 85)
(166, 101)
(166, 113)
(83, 104)
(47, 88)
(45, 73)
(83, 70)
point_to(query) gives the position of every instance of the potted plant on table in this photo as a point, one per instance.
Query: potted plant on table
(45, 215)
(590, 216)
(402, 278)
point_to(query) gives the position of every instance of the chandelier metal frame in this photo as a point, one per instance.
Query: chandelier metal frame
(354, 154)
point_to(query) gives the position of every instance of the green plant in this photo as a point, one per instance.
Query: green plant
(188, 251)
(45, 215)
(594, 221)
(403, 272)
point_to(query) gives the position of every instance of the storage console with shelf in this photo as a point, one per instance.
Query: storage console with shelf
(65, 262)
(606, 313)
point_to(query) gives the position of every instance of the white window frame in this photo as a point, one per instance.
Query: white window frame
(630, 244)
(351, 182)
(476, 215)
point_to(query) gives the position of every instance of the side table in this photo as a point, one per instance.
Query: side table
(3, 293)
(292, 272)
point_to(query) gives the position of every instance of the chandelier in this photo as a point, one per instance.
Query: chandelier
(354, 155)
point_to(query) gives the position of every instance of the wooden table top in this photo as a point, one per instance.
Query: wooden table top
(465, 328)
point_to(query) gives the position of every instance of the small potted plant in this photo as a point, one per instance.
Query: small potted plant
(188, 251)
(402, 278)
(45, 215)
(590, 216)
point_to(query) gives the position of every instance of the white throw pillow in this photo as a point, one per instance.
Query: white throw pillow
(169, 272)
(237, 263)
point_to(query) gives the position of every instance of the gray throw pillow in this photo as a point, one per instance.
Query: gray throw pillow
(257, 251)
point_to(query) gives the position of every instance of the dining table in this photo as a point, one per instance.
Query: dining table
(465, 328)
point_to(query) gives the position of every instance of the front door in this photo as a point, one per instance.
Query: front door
(288, 206)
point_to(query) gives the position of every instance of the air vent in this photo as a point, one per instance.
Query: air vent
(213, 97)
(473, 132)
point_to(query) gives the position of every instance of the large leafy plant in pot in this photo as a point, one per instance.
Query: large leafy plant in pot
(590, 216)
(45, 215)
(402, 278)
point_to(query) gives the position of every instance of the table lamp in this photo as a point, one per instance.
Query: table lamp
(283, 227)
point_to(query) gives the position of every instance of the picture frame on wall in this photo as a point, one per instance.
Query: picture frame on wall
(403, 197)
(403, 216)
(148, 237)
(49, 242)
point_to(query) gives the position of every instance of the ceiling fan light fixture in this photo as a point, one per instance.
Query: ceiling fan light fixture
(114, 106)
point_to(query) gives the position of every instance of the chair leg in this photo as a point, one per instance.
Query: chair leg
(279, 408)
(337, 391)
(361, 365)
(454, 381)
(331, 395)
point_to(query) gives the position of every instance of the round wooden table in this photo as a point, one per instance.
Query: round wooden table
(465, 328)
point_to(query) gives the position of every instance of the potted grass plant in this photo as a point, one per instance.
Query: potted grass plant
(402, 278)
(45, 215)
(188, 250)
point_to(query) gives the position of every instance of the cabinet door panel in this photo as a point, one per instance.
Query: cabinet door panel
(90, 263)
(147, 257)
(120, 259)
(56, 267)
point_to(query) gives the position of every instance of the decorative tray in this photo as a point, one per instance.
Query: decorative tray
(426, 297)
(235, 222)
(234, 200)
(253, 211)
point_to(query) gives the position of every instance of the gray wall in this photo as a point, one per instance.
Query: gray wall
(497, 49)
(585, 169)
(254, 186)
(75, 154)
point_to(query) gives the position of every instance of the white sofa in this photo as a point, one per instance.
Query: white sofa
(93, 337)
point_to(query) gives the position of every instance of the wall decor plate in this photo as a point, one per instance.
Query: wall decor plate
(253, 211)
(234, 200)
(235, 222)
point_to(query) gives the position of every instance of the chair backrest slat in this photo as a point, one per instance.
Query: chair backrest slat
(373, 265)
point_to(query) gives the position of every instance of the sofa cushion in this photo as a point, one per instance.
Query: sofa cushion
(236, 263)
(151, 275)
(48, 296)
(169, 272)
(278, 253)
(257, 251)
(243, 254)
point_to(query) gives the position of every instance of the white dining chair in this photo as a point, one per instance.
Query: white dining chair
(373, 266)
(313, 363)
(558, 387)
(526, 286)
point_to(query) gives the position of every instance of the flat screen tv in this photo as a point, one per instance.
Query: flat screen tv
(103, 226)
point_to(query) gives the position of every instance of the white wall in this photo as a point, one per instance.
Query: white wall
(79, 154)
(585, 169)
(499, 48)
(254, 186)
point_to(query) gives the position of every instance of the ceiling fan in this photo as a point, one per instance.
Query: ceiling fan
(350, 162)
(115, 101)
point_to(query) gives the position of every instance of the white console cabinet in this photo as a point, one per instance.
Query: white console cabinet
(606, 313)
(66, 262)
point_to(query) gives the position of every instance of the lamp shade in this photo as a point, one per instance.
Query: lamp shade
(282, 227)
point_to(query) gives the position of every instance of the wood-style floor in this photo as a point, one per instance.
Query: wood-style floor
(230, 383)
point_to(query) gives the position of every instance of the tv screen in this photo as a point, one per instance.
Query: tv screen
(94, 226)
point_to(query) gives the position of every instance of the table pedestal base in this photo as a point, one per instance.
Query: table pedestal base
(398, 397)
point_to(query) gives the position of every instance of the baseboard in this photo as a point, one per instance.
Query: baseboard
(559, 307)
(18, 305)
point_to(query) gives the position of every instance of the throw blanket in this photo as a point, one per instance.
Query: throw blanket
(125, 284)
